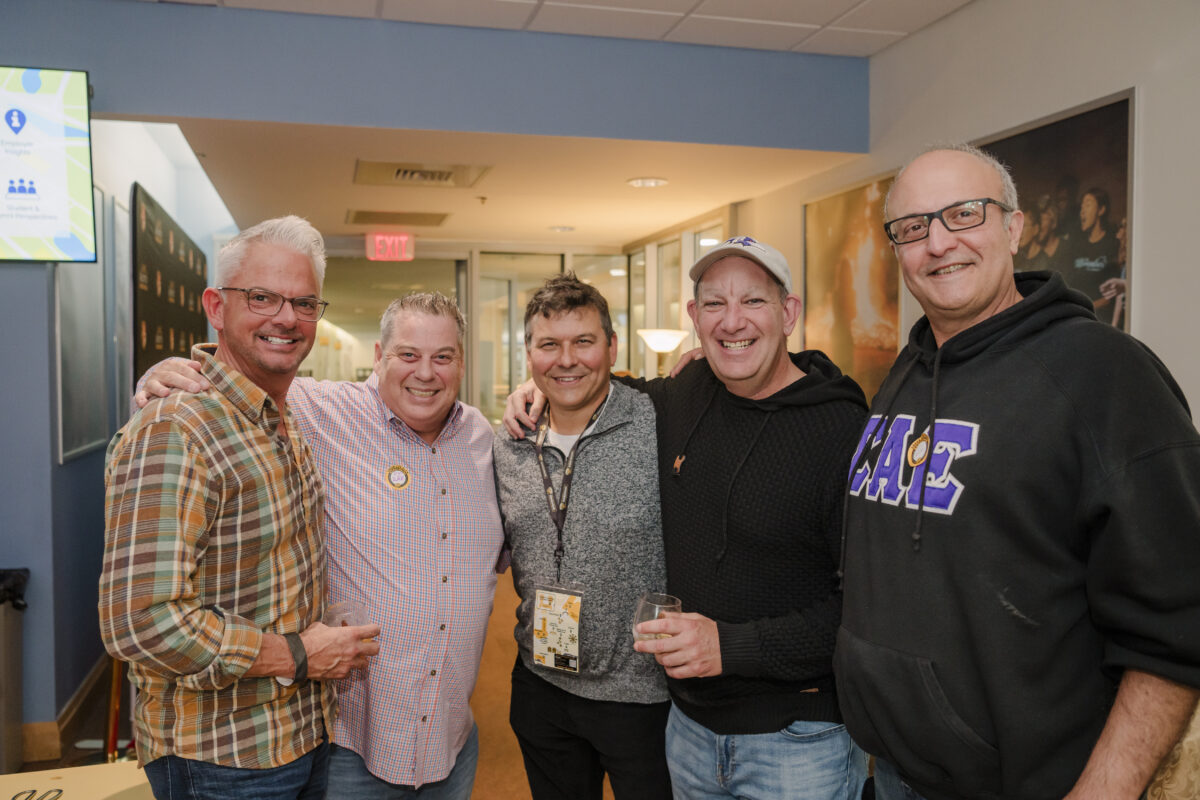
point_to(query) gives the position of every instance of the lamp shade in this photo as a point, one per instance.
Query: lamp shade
(661, 340)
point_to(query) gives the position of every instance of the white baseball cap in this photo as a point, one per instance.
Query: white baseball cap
(764, 255)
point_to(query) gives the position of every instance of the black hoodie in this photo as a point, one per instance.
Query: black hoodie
(752, 500)
(989, 613)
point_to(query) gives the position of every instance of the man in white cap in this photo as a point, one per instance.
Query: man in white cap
(754, 445)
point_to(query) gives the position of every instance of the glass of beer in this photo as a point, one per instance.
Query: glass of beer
(352, 613)
(652, 605)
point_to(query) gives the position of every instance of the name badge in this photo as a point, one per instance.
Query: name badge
(556, 612)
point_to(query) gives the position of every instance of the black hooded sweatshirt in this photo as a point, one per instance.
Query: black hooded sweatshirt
(752, 501)
(989, 614)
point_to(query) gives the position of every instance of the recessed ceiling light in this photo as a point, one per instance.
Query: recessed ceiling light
(561, 228)
(617, 272)
(646, 183)
(708, 242)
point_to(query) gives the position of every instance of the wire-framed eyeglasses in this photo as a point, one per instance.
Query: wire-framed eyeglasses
(959, 216)
(268, 303)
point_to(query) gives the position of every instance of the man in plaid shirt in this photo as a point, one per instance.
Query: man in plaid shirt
(412, 528)
(214, 567)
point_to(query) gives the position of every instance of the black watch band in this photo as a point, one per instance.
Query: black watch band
(299, 655)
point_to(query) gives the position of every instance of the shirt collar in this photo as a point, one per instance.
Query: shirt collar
(245, 395)
(453, 422)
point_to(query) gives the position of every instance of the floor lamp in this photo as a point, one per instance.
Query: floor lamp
(662, 341)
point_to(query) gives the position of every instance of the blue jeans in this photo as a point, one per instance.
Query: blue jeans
(175, 778)
(889, 785)
(349, 778)
(804, 761)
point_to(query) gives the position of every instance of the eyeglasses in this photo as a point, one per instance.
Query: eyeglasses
(960, 216)
(268, 303)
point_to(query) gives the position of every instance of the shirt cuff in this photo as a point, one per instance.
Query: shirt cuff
(739, 649)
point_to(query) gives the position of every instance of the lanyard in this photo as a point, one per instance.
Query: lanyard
(558, 506)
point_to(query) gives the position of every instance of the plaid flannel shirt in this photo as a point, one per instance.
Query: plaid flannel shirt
(213, 537)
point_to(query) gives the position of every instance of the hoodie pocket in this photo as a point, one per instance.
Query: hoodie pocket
(894, 707)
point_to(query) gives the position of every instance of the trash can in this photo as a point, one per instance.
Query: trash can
(12, 604)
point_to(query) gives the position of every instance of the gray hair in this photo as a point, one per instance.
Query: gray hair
(1008, 196)
(291, 231)
(435, 304)
(563, 293)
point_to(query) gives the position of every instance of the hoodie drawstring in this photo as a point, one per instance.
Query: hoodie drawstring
(729, 491)
(933, 391)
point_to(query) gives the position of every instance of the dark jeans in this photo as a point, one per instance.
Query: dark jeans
(570, 742)
(175, 778)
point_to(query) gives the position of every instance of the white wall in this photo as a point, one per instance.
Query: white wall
(1030, 59)
(158, 157)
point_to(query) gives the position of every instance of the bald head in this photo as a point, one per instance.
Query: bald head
(1008, 190)
(963, 276)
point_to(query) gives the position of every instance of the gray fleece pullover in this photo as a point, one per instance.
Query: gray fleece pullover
(612, 544)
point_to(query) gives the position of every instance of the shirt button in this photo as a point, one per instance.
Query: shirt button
(441, 627)
(443, 491)
(443, 535)
(445, 578)
(422, 720)
(433, 672)
(433, 449)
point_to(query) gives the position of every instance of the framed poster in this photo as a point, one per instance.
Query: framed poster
(170, 275)
(1072, 175)
(852, 284)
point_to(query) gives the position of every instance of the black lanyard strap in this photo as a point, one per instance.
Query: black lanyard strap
(558, 505)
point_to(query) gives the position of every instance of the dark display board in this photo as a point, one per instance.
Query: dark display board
(170, 274)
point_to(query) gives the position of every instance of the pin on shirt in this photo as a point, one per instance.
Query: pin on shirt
(398, 477)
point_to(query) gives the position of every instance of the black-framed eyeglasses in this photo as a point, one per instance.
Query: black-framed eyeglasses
(268, 303)
(958, 216)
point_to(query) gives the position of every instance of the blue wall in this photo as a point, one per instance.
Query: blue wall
(223, 63)
(26, 465)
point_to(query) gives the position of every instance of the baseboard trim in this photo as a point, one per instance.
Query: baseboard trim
(47, 741)
(40, 742)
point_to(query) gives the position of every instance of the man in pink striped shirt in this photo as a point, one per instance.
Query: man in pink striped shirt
(412, 529)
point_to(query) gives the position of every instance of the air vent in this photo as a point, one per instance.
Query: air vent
(410, 219)
(396, 173)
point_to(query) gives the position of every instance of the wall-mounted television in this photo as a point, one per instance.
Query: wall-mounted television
(46, 209)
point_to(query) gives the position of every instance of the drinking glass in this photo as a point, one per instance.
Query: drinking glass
(348, 612)
(651, 605)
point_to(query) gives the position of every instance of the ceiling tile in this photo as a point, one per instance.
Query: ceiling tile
(845, 42)
(739, 33)
(595, 21)
(672, 6)
(808, 12)
(481, 13)
(905, 16)
(333, 8)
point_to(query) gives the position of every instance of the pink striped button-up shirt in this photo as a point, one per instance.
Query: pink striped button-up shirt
(414, 531)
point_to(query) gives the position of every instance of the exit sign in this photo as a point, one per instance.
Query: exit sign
(390, 246)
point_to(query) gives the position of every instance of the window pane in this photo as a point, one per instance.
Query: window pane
(668, 284)
(610, 276)
(502, 365)
(637, 311)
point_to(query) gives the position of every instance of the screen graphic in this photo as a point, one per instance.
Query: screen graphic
(46, 211)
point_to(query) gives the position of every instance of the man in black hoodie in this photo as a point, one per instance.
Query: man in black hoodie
(1022, 609)
(753, 446)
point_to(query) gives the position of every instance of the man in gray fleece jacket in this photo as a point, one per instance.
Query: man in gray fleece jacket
(580, 505)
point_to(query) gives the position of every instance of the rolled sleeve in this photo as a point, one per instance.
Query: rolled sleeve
(158, 506)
